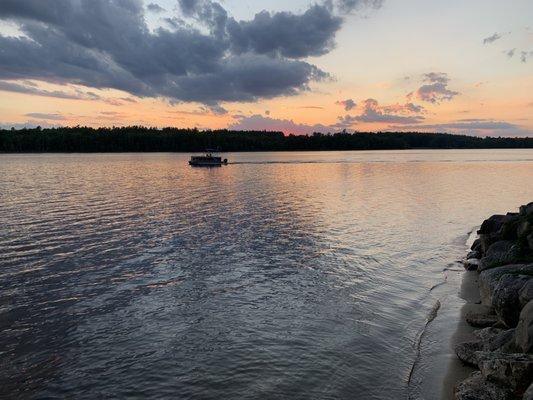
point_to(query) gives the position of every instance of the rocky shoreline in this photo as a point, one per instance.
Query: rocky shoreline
(502, 347)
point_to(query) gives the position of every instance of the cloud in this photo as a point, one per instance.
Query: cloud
(107, 44)
(215, 109)
(406, 108)
(510, 53)
(492, 38)
(373, 112)
(29, 87)
(155, 8)
(475, 126)
(259, 123)
(347, 6)
(436, 89)
(296, 36)
(524, 55)
(44, 116)
(348, 104)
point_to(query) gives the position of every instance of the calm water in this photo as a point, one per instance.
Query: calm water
(284, 275)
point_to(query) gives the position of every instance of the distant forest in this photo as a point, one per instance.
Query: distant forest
(141, 139)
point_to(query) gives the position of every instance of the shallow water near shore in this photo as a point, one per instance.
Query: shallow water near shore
(306, 275)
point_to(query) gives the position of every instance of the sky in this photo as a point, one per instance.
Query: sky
(298, 67)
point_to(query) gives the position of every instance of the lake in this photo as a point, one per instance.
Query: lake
(303, 275)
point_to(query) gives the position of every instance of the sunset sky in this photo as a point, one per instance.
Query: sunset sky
(297, 66)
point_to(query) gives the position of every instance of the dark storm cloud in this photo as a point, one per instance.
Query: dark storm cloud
(309, 34)
(107, 44)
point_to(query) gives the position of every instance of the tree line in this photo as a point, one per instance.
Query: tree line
(143, 139)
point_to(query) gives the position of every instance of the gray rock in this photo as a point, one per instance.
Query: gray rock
(524, 329)
(512, 370)
(505, 298)
(488, 339)
(471, 264)
(477, 388)
(493, 339)
(528, 394)
(473, 254)
(526, 293)
(499, 253)
(488, 279)
(479, 320)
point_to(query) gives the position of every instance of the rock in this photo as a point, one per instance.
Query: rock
(524, 329)
(488, 279)
(488, 339)
(473, 254)
(505, 298)
(477, 388)
(528, 394)
(476, 246)
(526, 210)
(466, 352)
(500, 253)
(487, 240)
(529, 240)
(481, 320)
(471, 264)
(512, 370)
(523, 229)
(492, 224)
(508, 230)
(494, 338)
(526, 293)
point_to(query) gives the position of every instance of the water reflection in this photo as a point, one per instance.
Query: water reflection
(302, 275)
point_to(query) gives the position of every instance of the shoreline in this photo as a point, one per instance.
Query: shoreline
(493, 340)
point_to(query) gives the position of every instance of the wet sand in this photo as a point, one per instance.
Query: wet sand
(457, 371)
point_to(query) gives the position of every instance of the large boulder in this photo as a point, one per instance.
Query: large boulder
(488, 339)
(477, 388)
(524, 329)
(526, 210)
(500, 253)
(491, 224)
(525, 295)
(509, 228)
(505, 298)
(512, 370)
(487, 239)
(488, 279)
